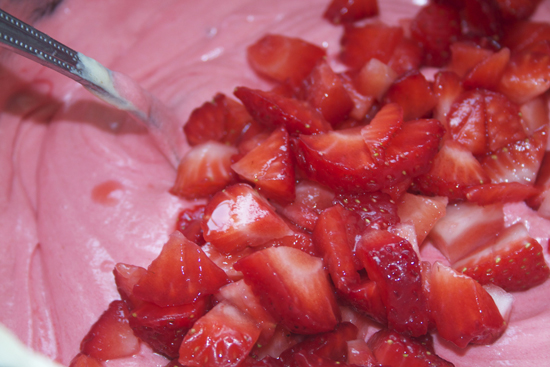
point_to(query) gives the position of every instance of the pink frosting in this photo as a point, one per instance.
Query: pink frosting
(83, 187)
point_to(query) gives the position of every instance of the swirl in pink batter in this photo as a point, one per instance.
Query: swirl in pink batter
(82, 187)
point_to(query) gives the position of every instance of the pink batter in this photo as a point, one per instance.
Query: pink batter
(82, 187)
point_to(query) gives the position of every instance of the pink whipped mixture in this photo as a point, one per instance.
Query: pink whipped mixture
(82, 187)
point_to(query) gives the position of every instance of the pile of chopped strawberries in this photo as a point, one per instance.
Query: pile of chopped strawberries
(320, 193)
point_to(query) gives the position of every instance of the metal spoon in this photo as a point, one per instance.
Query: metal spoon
(113, 87)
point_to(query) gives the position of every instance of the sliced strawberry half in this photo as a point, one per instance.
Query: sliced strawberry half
(179, 275)
(462, 310)
(379, 132)
(270, 167)
(413, 93)
(111, 336)
(394, 265)
(422, 212)
(238, 217)
(272, 110)
(453, 171)
(221, 338)
(504, 192)
(204, 170)
(436, 27)
(517, 162)
(283, 58)
(345, 11)
(514, 262)
(293, 287)
(394, 349)
(465, 228)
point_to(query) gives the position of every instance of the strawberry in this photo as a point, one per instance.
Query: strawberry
(526, 76)
(436, 27)
(345, 11)
(299, 240)
(376, 210)
(375, 78)
(293, 288)
(126, 277)
(238, 217)
(379, 132)
(406, 56)
(327, 158)
(179, 275)
(330, 345)
(281, 340)
(283, 58)
(513, 262)
(535, 115)
(394, 265)
(462, 310)
(421, 211)
(272, 110)
(324, 90)
(270, 167)
(413, 93)
(453, 171)
(360, 354)
(366, 297)
(111, 336)
(518, 161)
(361, 103)
(311, 199)
(222, 337)
(522, 35)
(362, 43)
(466, 227)
(226, 261)
(163, 328)
(330, 236)
(487, 73)
(82, 360)
(204, 170)
(264, 362)
(447, 86)
(481, 20)
(516, 9)
(504, 192)
(189, 223)
(465, 56)
(393, 349)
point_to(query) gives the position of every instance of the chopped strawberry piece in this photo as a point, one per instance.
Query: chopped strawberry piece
(126, 277)
(293, 287)
(226, 261)
(465, 56)
(238, 217)
(503, 121)
(360, 44)
(361, 103)
(204, 170)
(394, 265)
(327, 158)
(111, 336)
(481, 19)
(522, 35)
(516, 9)
(514, 262)
(413, 93)
(366, 297)
(331, 238)
(283, 58)
(535, 115)
(526, 76)
(360, 354)
(383, 127)
(463, 311)
(504, 192)
(376, 210)
(325, 91)
(281, 340)
(270, 167)
(375, 78)
(179, 275)
(330, 345)
(487, 73)
(453, 171)
(394, 350)
(311, 199)
(466, 227)
(436, 27)
(345, 11)
(273, 110)
(516, 162)
(163, 328)
(299, 240)
(221, 338)
(407, 56)
(189, 223)
(268, 361)
(247, 145)
(397, 190)
(421, 211)
(82, 360)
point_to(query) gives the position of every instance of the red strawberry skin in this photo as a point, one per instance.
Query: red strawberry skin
(394, 265)
(345, 11)
(293, 287)
(179, 275)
